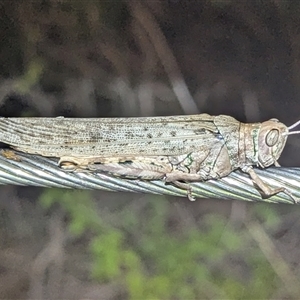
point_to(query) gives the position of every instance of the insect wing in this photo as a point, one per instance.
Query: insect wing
(109, 137)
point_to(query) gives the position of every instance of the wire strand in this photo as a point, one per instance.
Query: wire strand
(33, 170)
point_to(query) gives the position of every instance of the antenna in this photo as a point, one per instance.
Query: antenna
(293, 126)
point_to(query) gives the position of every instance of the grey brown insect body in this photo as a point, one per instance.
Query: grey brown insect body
(175, 149)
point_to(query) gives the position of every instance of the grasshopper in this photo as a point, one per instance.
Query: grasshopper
(176, 149)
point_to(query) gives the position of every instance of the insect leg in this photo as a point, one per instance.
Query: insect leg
(187, 187)
(143, 168)
(175, 178)
(266, 189)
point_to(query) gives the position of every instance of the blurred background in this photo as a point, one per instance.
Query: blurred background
(147, 58)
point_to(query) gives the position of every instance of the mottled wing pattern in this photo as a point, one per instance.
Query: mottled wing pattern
(110, 137)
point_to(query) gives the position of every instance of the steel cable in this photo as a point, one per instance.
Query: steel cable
(33, 170)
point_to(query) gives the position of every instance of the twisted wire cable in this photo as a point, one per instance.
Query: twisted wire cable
(33, 170)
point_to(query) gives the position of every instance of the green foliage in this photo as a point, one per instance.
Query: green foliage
(31, 76)
(107, 252)
(260, 284)
(267, 214)
(83, 214)
(153, 262)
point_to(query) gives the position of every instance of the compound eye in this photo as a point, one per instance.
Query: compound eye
(272, 137)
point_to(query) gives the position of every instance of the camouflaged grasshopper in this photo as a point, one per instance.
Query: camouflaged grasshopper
(176, 149)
